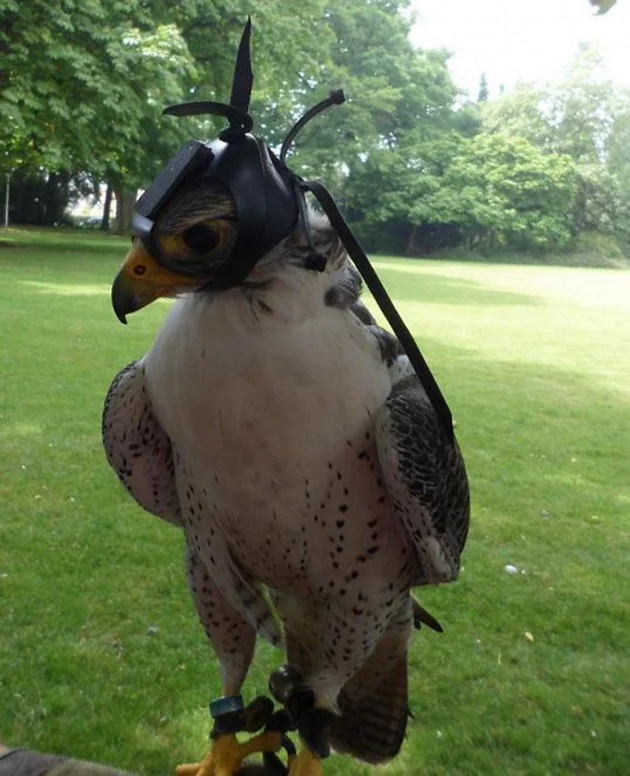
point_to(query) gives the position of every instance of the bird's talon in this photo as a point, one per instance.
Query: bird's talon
(287, 686)
(227, 754)
(306, 764)
(203, 768)
(274, 765)
(281, 722)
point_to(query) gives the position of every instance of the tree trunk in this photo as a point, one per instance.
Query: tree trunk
(7, 194)
(107, 206)
(55, 197)
(411, 240)
(125, 200)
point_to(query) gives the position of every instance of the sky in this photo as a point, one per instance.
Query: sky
(521, 40)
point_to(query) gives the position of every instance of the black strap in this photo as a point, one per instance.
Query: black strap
(237, 111)
(336, 97)
(242, 121)
(243, 77)
(385, 303)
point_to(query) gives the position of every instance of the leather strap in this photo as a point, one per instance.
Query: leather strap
(386, 305)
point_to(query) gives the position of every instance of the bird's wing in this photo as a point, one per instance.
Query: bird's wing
(140, 452)
(424, 475)
(137, 447)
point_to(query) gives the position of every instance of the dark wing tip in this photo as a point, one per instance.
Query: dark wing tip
(422, 617)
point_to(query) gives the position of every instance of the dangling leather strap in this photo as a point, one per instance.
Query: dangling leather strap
(385, 303)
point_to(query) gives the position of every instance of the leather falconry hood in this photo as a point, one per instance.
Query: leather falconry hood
(270, 202)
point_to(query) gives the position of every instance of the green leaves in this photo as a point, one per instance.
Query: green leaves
(588, 119)
(76, 81)
(496, 190)
(83, 84)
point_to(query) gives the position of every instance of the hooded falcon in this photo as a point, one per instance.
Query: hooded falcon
(281, 428)
(289, 438)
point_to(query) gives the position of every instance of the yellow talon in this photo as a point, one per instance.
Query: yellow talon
(227, 754)
(203, 768)
(306, 764)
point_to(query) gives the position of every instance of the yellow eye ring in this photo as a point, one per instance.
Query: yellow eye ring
(202, 239)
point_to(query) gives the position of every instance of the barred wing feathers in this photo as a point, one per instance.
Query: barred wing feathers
(426, 480)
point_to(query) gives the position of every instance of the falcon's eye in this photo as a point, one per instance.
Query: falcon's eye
(201, 238)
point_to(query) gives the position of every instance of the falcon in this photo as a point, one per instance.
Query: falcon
(288, 436)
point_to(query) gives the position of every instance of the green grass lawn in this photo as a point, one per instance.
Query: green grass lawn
(101, 655)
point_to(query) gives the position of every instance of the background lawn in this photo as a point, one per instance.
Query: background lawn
(101, 654)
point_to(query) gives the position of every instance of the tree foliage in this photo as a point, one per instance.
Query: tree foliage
(488, 191)
(83, 84)
(483, 89)
(74, 80)
(586, 117)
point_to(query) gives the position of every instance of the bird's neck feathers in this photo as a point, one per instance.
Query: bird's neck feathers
(282, 289)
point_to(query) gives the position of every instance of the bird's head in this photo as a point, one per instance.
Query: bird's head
(195, 246)
(190, 243)
(217, 208)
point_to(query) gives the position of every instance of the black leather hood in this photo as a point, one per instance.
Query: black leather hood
(267, 194)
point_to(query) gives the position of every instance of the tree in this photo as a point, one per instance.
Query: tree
(525, 112)
(73, 89)
(483, 89)
(391, 89)
(603, 6)
(508, 193)
(73, 84)
(618, 166)
(586, 117)
(388, 188)
(486, 192)
(83, 84)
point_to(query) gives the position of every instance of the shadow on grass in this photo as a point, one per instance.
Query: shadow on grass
(430, 288)
(546, 451)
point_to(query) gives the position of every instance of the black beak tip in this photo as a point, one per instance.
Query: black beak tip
(119, 310)
(122, 301)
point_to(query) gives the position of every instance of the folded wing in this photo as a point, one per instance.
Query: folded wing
(137, 447)
(426, 480)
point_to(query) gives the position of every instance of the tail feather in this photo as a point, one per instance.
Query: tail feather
(372, 727)
(420, 615)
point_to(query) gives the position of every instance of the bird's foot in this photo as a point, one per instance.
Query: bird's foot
(226, 754)
(306, 764)
(313, 724)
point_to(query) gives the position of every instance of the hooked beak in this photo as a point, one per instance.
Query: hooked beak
(141, 280)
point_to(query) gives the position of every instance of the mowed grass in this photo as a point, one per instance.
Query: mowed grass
(101, 655)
